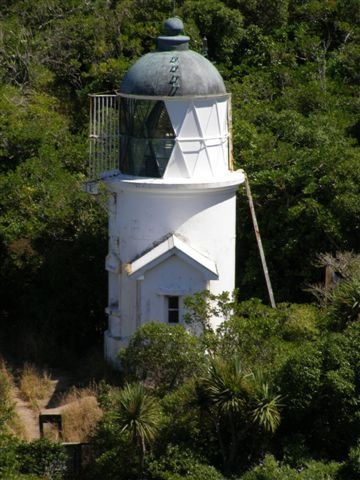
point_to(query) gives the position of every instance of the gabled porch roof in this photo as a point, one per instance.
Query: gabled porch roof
(173, 245)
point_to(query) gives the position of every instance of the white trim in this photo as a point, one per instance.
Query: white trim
(223, 137)
(169, 247)
(230, 180)
(175, 98)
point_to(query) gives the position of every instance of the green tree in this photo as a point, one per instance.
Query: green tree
(240, 403)
(210, 19)
(139, 416)
(318, 380)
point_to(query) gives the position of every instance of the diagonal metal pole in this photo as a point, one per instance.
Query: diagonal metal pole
(259, 242)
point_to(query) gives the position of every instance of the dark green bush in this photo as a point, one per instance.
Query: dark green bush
(42, 458)
(300, 322)
(271, 469)
(300, 379)
(119, 463)
(177, 464)
(351, 467)
(8, 458)
(162, 356)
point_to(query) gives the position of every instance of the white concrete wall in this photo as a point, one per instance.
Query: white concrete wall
(143, 217)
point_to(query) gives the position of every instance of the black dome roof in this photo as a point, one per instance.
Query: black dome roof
(173, 70)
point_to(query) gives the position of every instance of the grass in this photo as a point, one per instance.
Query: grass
(7, 411)
(6, 383)
(9, 420)
(34, 385)
(81, 414)
(79, 407)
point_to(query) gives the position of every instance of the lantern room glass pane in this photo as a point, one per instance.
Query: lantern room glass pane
(147, 137)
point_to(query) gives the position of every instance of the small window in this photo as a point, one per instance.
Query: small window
(173, 309)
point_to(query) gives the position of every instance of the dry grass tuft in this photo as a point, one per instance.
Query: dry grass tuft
(17, 428)
(81, 414)
(34, 386)
(7, 382)
(9, 419)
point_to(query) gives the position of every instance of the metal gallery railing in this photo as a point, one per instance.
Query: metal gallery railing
(104, 136)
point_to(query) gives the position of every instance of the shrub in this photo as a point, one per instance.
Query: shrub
(300, 379)
(20, 476)
(177, 464)
(117, 463)
(42, 458)
(8, 458)
(185, 425)
(271, 469)
(320, 471)
(30, 461)
(351, 467)
(300, 322)
(162, 356)
(345, 301)
(250, 336)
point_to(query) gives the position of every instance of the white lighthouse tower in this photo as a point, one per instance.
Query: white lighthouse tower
(171, 186)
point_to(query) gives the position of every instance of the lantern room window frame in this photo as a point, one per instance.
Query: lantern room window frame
(147, 137)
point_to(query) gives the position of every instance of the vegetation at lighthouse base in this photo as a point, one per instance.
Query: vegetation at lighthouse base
(273, 393)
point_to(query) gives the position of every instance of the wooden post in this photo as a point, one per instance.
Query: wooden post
(328, 277)
(259, 242)
(230, 127)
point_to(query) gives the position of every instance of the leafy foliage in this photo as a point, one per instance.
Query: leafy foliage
(303, 406)
(8, 460)
(270, 469)
(138, 414)
(162, 356)
(292, 68)
(42, 458)
(176, 464)
(131, 422)
(238, 402)
(31, 461)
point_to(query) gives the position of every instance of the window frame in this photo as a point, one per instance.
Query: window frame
(172, 309)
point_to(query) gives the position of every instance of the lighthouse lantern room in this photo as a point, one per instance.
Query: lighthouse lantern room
(161, 146)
